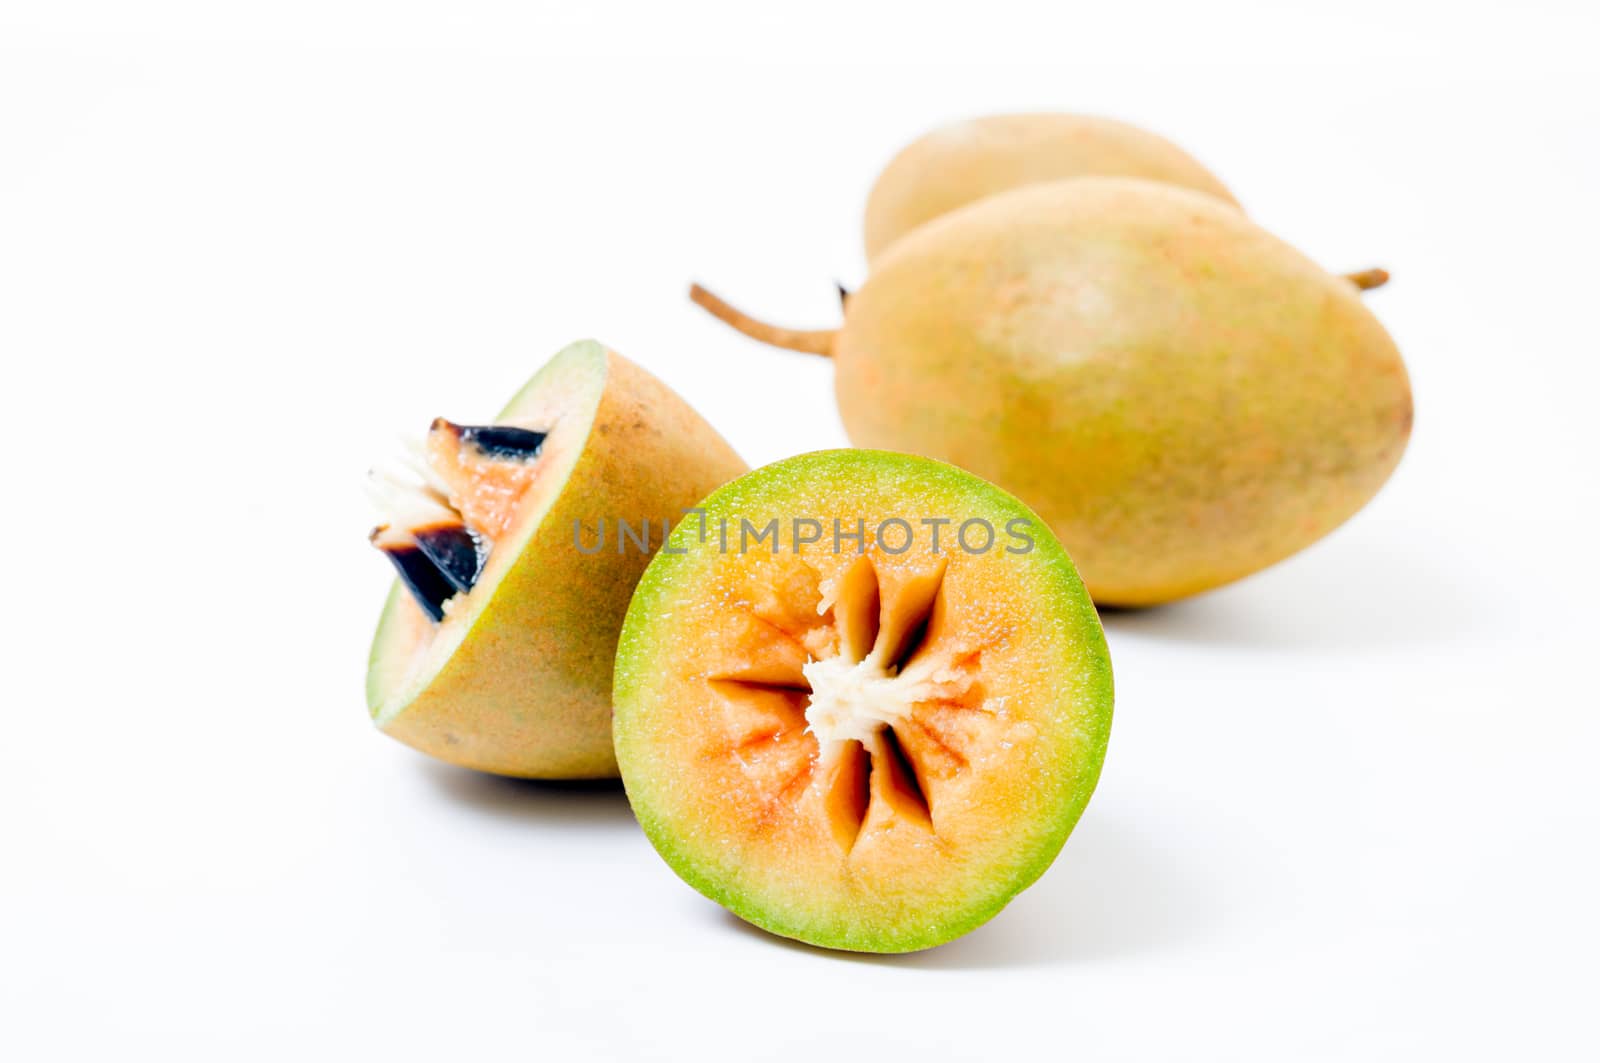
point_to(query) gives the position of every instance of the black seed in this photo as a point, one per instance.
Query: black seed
(498, 441)
(454, 550)
(418, 572)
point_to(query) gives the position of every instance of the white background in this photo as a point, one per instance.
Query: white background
(1350, 809)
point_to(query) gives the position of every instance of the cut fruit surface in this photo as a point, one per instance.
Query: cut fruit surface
(495, 648)
(872, 727)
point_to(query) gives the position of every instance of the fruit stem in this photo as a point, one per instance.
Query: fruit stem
(1368, 279)
(820, 341)
(812, 341)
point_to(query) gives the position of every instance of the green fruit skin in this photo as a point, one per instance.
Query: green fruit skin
(968, 161)
(528, 691)
(1182, 396)
(875, 476)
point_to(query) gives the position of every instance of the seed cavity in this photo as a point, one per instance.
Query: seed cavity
(847, 792)
(898, 783)
(857, 610)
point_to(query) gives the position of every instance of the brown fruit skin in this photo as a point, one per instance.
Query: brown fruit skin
(958, 164)
(1183, 397)
(528, 692)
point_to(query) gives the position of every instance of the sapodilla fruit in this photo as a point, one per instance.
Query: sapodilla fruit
(517, 553)
(1183, 397)
(861, 699)
(966, 161)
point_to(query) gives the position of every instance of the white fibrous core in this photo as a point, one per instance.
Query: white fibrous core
(852, 701)
(876, 679)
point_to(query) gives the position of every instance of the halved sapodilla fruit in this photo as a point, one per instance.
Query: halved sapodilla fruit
(861, 699)
(518, 551)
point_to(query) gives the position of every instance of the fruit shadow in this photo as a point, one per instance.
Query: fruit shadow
(1111, 894)
(1340, 597)
(581, 804)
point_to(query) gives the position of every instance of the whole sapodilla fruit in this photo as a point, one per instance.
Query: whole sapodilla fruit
(496, 645)
(1183, 397)
(861, 699)
(957, 164)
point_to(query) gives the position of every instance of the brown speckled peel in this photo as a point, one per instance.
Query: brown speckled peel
(1182, 396)
(961, 163)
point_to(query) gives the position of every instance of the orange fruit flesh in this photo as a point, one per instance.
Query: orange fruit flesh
(486, 491)
(870, 749)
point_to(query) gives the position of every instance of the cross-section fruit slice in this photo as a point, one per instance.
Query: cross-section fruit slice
(862, 700)
(496, 645)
